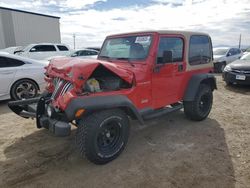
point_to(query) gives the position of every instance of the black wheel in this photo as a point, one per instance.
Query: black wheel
(24, 89)
(201, 106)
(102, 136)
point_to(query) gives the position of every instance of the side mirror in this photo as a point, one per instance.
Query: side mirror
(229, 54)
(167, 56)
(32, 50)
(74, 55)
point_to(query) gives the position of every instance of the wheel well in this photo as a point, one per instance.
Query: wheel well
(210, 82)
(21, 80)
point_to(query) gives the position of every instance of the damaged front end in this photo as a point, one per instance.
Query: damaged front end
(68, 80)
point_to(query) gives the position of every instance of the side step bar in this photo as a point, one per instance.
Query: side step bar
(150, 114)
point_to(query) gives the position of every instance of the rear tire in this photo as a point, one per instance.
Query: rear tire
(201, 106)
(102, 136)
(24, 89)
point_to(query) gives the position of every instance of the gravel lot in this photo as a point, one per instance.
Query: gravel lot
(168, 152)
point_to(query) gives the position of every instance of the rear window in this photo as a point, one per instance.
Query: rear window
(62, 48)
(8, 62)
(200, 50)
(43, 48)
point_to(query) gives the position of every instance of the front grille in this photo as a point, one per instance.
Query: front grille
(61, 87)
(241, 71)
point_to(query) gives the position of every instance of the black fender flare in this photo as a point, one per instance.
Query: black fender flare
(96, 103)
(195, 82)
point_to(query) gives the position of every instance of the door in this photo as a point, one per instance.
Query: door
(168, 70)
(231, 55)
(7, 73)
(42, 52)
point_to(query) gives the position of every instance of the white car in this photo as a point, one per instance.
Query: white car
(224, 56)
(42, 51)
(81, 53)
(20, 77)
(12, 49)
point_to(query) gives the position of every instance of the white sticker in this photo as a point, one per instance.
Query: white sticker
(142, 39)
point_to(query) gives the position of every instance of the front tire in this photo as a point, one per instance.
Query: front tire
(102, 136)
(200, 107)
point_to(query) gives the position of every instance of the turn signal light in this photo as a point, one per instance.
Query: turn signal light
(79, 112)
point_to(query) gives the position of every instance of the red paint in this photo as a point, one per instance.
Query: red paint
(150, 89)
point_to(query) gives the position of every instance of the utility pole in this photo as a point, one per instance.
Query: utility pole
(74, 40)
(240, 41)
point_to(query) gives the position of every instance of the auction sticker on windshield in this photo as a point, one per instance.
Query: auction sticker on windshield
(240, 77)
(142, 39)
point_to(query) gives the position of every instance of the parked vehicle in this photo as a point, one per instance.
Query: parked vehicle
(81, 53)
(84, 53)
(11, 50)
(42, 51)
(246, 51)
(94, 48)
(238, 72)
(139, 75)
(224, 56)
(20, 78)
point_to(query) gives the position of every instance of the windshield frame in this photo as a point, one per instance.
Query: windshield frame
(142, 61)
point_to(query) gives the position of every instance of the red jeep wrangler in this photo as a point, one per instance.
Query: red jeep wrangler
(140, 75)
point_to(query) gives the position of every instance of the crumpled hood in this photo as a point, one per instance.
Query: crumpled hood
(85, 67)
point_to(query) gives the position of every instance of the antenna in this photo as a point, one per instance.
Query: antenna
(74, 40)
(240, 42)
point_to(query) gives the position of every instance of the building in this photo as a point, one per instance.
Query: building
(20, 28)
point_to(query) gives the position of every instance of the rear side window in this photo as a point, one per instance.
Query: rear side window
(62, 48)
(173, 45)
(200, 50)
(43, 48)
(8, 62)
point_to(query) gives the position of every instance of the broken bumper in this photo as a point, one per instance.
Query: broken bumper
(37, 108)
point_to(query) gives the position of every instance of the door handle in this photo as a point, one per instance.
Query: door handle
(180, 67)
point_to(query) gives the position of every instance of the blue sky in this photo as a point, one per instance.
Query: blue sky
(92, 20)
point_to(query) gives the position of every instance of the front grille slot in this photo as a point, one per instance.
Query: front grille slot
(61, 87)
(241, 71)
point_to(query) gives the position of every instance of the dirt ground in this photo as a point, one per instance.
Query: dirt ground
(168, 152)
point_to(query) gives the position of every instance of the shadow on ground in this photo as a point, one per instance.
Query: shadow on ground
(4, 107)
(242, 89)
(168, 152)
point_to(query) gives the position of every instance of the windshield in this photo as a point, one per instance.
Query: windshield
(246, 57)
(220, 51)
(127, 48)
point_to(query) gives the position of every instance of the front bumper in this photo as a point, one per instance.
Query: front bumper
(37, 108)
(230, 77)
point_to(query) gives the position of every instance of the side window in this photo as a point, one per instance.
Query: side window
(231, 52)
(62, 48)
(8, 62)
(200, 50)
(93, 53)
(171, 45)
(43, 48)
(3, 62)
(83, 53)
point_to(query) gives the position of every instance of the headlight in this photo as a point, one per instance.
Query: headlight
(227, 68)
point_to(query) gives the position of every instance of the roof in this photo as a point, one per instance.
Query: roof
(27, 12)
(180, 32)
